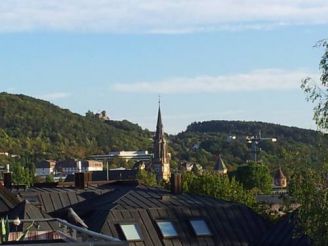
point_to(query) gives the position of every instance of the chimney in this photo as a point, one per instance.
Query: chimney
(7, 180)
(80, 177)
(176, 183)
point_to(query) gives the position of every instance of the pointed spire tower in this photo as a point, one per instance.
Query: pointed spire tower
(161, 160)
(220, 166)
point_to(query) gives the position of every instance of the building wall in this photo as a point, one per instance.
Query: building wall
(43, 171)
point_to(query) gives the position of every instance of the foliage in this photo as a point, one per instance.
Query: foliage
(50, 178)
(218, 186)
(22, 175)
(203, 141)
(36, 129)
(318, 92)
(255, 176)
(4, 230)
(147, 178)
(310, 189)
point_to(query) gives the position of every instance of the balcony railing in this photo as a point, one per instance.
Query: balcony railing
(66, 232)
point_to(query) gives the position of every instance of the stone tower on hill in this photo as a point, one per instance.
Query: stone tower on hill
(161, 160)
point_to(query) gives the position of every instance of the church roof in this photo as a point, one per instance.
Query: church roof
(279, 174)
(159, 125)
(220, 165)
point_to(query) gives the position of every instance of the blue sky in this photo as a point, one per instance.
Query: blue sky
(227, 60)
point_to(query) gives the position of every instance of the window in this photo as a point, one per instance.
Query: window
(131, 232)
(167, 229)
(200, 227)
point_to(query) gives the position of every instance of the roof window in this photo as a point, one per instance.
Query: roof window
(200, 227)
(167, 229)
(131, 232)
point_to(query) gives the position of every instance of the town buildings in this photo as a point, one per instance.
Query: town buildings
(65, 167)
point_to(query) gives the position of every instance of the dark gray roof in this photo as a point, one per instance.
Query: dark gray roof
(284, 232)
(53, 199)
(230, 223)
(104, 207)
(43, 164)
(219, 165)
(113, 175)
(7, 200)
(25, 210)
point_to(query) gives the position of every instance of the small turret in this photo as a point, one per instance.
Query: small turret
(280, 180)
(220, 167)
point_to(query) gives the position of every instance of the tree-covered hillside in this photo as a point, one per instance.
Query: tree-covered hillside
(203, 141)
(39, 129)
(35, 129)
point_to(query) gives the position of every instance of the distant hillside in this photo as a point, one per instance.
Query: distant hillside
(202, 141)
(38, 128)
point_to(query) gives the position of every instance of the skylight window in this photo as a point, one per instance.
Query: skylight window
(131, 232)
(200, 227)
(167, 229)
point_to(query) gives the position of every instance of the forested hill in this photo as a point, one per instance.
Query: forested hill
(30, 126)
(203, 141)
(252, 128)
(36, 129)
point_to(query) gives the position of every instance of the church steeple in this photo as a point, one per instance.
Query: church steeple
(161, 159)
(159, 126)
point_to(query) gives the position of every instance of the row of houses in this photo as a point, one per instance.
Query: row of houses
(65, 167)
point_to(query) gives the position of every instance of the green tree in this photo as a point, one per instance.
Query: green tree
(147, 178)
(218, 186)
(22, 175)
(309, 188)
(318, 92)
(255, 176)
(50, 178)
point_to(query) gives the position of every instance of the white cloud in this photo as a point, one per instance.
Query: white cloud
(160, 16)
(258, 80)
(55, 95)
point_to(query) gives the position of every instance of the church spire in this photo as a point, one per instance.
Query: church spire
(159, 126)
(161, 159)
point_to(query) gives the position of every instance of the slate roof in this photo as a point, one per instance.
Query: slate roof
(114, 175)
(104, 207)
(230, 223)
(53, 199)
(45, 164)
(7, 200)
(219, 165)
(279, 174)
(26, 210)
(284, 233)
